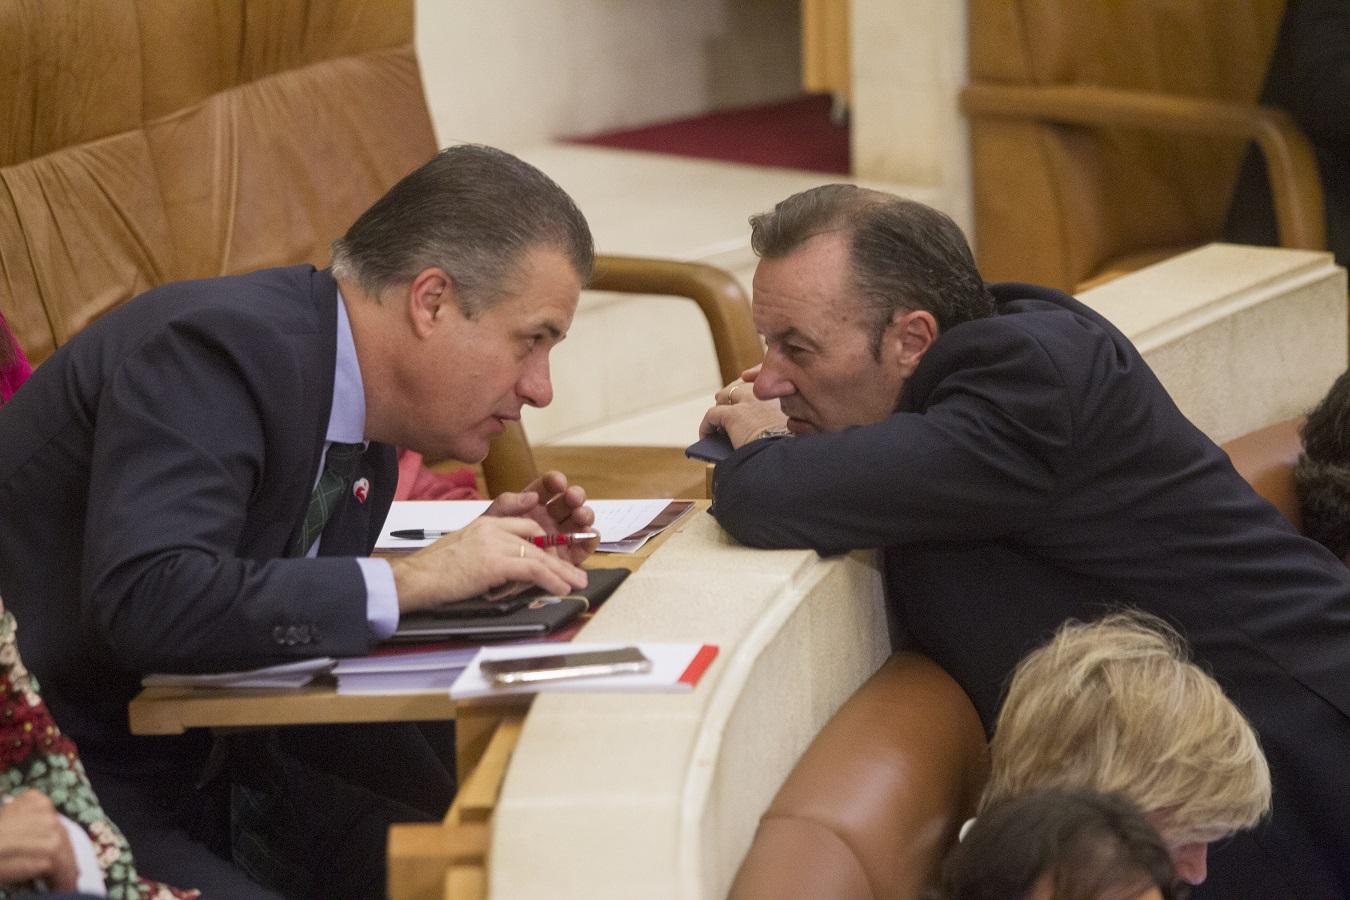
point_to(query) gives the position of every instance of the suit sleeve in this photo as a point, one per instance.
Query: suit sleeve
(978, 463)
(181, 456)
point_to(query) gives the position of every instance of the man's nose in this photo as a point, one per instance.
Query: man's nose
(771, 383)
(535, 386)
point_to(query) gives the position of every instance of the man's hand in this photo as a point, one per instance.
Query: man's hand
(743, 416)
(492, 551)
(34, 844)
(556, 506)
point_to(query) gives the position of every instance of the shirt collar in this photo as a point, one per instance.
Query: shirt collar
(347, 418)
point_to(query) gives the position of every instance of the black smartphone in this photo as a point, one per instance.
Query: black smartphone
(583, 664)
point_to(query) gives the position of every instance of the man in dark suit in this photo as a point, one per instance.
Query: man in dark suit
(186, 486)
(1019, 465)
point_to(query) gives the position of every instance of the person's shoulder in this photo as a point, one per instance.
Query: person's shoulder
(1041, 320)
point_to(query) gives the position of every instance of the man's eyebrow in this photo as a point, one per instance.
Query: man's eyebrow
(792, 333)
(553, 330)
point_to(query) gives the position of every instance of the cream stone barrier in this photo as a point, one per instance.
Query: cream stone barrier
(657, 795)
(1240, 336)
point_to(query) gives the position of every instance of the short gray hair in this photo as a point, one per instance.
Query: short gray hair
(904, 255)
(473, 211)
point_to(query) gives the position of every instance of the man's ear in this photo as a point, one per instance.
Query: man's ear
(430, 298)
(911, 333)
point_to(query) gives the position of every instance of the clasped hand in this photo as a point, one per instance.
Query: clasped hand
(495, 549)
(742, 415)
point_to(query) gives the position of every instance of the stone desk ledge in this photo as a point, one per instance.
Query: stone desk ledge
(658, 795)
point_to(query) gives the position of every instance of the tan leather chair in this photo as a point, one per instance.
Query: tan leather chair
(1107, 136)
(148, 141)
(1266, 458)
(871, 808)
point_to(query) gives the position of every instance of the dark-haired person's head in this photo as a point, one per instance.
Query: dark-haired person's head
(464, 276)
(1322, 475)
(1060, 845)
(852, 287)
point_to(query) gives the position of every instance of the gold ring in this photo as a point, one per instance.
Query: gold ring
(731, 394)
(522, 551)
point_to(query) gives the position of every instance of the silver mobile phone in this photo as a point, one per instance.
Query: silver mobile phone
(583, 664)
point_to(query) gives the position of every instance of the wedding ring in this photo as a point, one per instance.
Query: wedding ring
(522, 551)
(731, 394)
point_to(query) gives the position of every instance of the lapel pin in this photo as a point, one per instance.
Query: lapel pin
(361, 489)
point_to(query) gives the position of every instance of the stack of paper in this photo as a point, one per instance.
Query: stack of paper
(623, 525)
(286, 675)
(402, 672)
(675, 667)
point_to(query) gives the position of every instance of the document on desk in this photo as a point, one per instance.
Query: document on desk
(285, 675)
(675, 668)
(402, 671)
(623, 525)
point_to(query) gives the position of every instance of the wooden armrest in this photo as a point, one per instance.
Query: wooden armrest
(1294, 182)
(717, 294)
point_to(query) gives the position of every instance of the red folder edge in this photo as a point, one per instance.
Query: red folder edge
(698, 665)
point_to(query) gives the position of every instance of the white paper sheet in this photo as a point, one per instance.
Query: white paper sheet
(614, 519)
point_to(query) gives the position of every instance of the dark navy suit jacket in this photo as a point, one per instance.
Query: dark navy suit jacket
(153, 473)
(1036, 471)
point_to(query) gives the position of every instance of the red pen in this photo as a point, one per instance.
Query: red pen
(558, 540)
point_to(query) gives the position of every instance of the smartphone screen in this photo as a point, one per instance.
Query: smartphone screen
(586, 664)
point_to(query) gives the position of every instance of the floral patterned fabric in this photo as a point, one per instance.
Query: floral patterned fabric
(35, 754)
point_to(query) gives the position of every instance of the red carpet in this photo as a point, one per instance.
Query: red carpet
(793, 134)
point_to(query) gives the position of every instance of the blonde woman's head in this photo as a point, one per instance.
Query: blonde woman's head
(1116, 706)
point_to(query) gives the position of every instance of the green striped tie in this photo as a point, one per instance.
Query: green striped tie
(338, 467)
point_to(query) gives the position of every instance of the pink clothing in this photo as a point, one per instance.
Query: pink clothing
(417, 482)
(17, 372)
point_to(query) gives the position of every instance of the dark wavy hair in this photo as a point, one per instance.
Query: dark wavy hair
(1322, 475)
(904, 255)
(1090, 846)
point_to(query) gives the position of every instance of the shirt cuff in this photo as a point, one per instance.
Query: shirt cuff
(381, 596)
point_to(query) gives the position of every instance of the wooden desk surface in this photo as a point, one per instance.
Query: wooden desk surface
(173, 710)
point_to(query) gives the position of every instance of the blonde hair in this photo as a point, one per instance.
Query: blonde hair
(1117, 707)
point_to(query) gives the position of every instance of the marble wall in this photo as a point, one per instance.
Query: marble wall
(518, 73)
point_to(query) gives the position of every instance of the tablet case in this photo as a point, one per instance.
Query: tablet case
(537, 615)
(713, 448)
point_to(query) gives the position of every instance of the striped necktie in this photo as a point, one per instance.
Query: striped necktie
(338, 467)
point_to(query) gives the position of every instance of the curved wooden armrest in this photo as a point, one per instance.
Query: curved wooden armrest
(715, 291)
(1294, 182)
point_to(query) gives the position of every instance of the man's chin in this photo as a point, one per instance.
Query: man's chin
(800, 426)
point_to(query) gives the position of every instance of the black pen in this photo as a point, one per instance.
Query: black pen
(543, 540)
(417, 534)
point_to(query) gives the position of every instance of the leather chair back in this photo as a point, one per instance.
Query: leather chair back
(1063, 202)
(1266, 458)
(876, 800)
(146, 141)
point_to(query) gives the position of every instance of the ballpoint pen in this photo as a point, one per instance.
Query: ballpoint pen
(543, 540)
